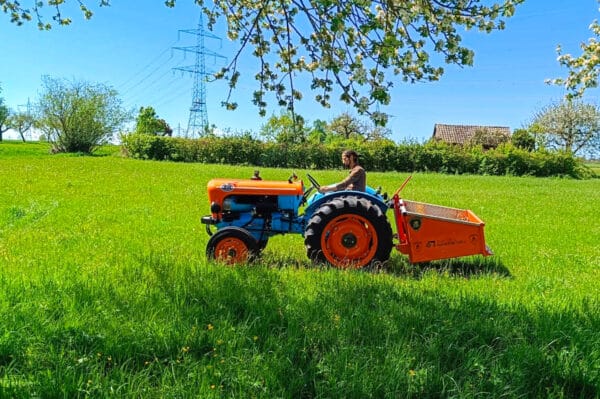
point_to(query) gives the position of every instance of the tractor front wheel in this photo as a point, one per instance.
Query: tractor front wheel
(348, 232)
(232, 245)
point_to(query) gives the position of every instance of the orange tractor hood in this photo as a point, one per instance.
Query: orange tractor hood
(219, 189)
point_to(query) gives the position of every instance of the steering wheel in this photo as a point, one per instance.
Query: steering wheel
(314, 185)
(313, 182)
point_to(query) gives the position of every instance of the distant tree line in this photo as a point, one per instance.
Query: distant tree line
(378, 155)
(543, 149)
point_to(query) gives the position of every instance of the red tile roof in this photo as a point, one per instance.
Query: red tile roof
(460, 134)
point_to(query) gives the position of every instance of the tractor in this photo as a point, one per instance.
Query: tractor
(343, 228)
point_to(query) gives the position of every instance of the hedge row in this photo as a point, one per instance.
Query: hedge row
(375, 156)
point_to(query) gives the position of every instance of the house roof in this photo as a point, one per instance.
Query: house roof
(459, 134)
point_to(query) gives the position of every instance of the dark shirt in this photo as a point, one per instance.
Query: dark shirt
(356, 180)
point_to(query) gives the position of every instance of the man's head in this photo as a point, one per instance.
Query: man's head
(349, 158)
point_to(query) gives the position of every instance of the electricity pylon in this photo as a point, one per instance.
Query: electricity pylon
(198, 120)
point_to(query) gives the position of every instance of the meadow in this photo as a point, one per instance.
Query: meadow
(106, 292)
(594, 166)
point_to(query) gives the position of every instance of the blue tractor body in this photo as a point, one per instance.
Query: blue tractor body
(255, 210)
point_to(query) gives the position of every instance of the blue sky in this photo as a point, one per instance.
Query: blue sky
(130, 47)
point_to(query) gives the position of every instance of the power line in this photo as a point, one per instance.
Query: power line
(146, 77)
(175, 92)
(156, 80)
(145, 67)
(170, 93)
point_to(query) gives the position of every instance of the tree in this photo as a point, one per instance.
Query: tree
(356, 46)
(20, 14)
(21, 122)
(148, 122)
(347, 127)
(318, 133)
(285, 128)
(79, 116)
(376, 132)
(522, 138)
(488, 138)
(583, 70)
(572, 126)
(4, 114)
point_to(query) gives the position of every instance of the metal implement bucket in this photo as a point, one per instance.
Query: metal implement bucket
(430, 232)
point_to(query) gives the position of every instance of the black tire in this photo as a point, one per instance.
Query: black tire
(348, 231)
(262, 244)
(232, 245)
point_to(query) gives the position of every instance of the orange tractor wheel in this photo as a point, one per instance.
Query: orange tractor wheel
(348, 232)
(232, 245)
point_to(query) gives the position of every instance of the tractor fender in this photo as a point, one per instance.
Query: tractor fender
(318, 199)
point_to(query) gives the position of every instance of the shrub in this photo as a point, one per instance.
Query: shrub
(521, 138)
(79, 116)
(381, 155)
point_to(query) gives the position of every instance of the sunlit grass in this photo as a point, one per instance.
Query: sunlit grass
(594, 166)
(106, 291)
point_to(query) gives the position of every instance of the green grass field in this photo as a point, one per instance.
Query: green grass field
(594, 167)
(106, 292)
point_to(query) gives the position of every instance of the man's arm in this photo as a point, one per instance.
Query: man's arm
(348, 183)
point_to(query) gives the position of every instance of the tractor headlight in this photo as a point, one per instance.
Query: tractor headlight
(215, 208)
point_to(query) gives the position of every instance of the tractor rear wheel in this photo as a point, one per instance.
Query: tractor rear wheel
(348, 232)
(232, 245)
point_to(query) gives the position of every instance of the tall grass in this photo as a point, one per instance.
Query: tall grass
(106, 292)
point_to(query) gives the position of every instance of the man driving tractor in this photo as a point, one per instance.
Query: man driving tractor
(357, 178)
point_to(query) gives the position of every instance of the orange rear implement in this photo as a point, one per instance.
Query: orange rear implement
(429, 232)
